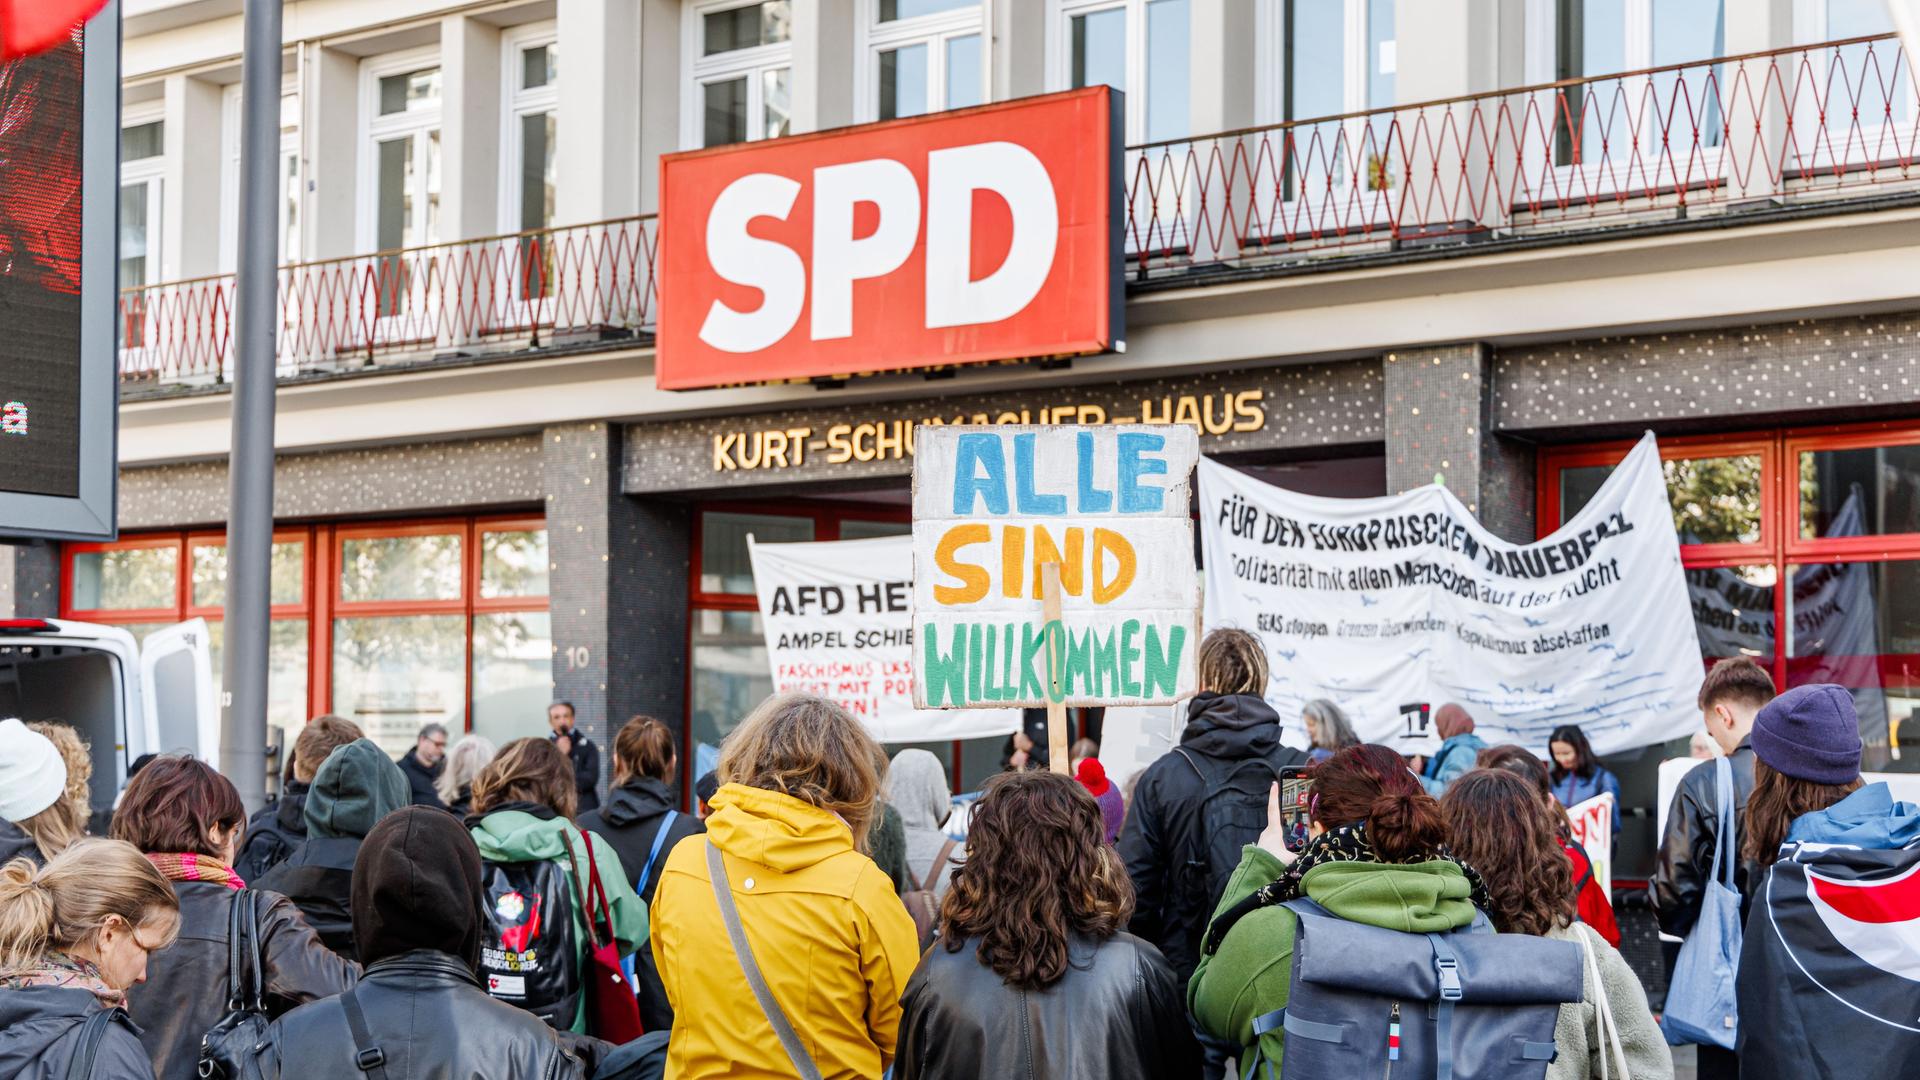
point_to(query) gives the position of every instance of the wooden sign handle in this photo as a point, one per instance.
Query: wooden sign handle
(1056, 711)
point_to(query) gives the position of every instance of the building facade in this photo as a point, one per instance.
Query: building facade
(1370, 245)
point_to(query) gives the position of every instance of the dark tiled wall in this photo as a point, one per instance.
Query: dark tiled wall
(29, 580)
(1436, 418)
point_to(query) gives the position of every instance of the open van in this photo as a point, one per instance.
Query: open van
(124, 699)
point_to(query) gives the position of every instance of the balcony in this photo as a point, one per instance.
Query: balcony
(1826, 128)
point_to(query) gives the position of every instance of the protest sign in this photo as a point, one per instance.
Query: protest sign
(1393, 606)
(1592, 821)
(1133, 737)
(994, 506)
(838, 619)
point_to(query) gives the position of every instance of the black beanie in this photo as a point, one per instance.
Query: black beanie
(416, 885)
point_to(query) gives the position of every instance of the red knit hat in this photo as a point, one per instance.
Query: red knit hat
(1093, 776)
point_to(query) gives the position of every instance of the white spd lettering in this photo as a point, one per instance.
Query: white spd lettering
(840, 258)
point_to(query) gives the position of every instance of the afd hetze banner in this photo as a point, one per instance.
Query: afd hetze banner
(1392, 607)
(838, 618)
(992, 506)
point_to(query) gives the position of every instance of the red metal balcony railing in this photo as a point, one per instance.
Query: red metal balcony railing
(1797, 126)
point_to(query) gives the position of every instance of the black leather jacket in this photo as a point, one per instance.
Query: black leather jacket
(426, 1012)
(1688, 848)
(186, 988)
(1117, 1014)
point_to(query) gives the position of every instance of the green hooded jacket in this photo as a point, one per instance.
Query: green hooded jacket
(516, 836)
(356, 786)
(1252, 972)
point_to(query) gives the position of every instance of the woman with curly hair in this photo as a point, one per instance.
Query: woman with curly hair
(1377, 855)
(1595, 907)
(1502, 827)
(1033, 974)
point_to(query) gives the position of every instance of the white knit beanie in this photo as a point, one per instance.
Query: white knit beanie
(32, 775)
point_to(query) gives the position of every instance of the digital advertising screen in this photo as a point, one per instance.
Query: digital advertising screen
(58, 188)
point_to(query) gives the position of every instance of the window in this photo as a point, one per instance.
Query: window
(1864, 91)
(142, 163)
(1666, 113)
(403, 132)
(922, 56)
(741, 59)
(532, 67)
(727, 646)
(290, 181)
(1834, 514)
(391, 626)
(1142, 47)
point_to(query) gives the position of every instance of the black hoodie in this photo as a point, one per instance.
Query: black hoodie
(1163, 842)
(273, 834)
(630, 820)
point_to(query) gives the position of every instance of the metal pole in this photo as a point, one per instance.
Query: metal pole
(243, 719)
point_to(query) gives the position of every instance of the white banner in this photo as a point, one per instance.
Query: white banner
(993, 505)
(1392, 607)
(838, 619)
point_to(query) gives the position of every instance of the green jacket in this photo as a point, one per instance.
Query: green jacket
(517, 836)
(1252, 972)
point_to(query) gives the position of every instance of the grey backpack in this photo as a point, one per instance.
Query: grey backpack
(1466, 1005)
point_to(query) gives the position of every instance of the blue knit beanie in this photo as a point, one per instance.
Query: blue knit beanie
(1810, 732)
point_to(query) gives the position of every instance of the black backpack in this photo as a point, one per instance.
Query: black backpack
(528, 957)
(1233, 813)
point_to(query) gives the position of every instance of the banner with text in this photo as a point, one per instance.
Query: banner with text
(993, 505)
(838, 619)
(1391, 607)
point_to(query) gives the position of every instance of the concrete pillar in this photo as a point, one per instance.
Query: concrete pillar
(660, 87)
(1438, 405)
(29, 580)
(1019, 51)
(471, 150)
(618, 587)
(330, 111)
(1755, 96)
(600, 109)
(823, 65)
(190, 193)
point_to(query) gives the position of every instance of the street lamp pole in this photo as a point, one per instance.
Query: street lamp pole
(243, 717)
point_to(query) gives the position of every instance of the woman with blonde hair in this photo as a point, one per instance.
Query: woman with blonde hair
(44, 774)
(74, 935)
(464, 763)
(783, 948)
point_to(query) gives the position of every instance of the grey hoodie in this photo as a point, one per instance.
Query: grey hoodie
(40, 1033)
(917, 788)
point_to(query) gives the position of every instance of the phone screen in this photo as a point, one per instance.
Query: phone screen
(1296, 794)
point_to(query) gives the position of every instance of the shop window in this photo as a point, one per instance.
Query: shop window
(136, 579)
(1716, 500)
(730, 677)
(286, 572)
(1859, 491)
(724, 564)
(400, 568)
(513, 563)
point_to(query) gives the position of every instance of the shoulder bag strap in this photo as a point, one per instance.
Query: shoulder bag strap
(1608, 1028)
(939, 862)
(743, 952)
(659, 840)
(601, 907)
(584, 902)
(1723, 793)
(237, 913)
(258, 966)
(92, 1031)
(367, 1056)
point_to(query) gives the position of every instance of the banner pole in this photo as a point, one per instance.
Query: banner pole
(1056, 710)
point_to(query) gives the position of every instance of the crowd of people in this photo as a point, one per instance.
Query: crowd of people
(823, 911)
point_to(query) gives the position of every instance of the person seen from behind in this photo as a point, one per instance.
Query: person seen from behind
(917, 788)
(1731, 697)
(1500, 826)
(703, 791)
(419, 926)
(424, 763)
(1113, 805)
(1328, 730)
(640, 821)
(522, 805)
(817, 922)
(43, 791)
(1032, 974)
(1578, 775)
(355, 787)
(464, 762)
(1591, 902)
(74, 935)
(187, 819)
(281, 826)
(1459, 746)
(1377, 854)
(579, 752)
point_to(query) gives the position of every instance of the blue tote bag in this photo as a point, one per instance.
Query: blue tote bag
(1701, 1006)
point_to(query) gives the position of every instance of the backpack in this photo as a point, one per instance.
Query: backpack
(1467, 1005)
(920, 899)
(528, 957)
(1233, 813)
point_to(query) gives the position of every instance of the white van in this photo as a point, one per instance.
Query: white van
(125, 700)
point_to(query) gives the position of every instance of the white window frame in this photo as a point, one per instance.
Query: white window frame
(933, 31)
(1272, 69)
(518, 102)
(375, 129)
(751, 63)
(230, 174)
(1875, 143)
(150, 172)
(1060, 16)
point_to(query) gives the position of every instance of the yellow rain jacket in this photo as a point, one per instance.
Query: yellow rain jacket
(833, 940)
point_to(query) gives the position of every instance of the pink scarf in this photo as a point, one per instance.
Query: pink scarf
(190, 866)
(63, 969)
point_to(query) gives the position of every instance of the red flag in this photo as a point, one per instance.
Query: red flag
(31, 26)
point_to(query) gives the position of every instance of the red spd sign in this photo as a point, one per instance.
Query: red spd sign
(983, 234)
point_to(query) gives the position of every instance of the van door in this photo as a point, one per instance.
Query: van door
(176, 682)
